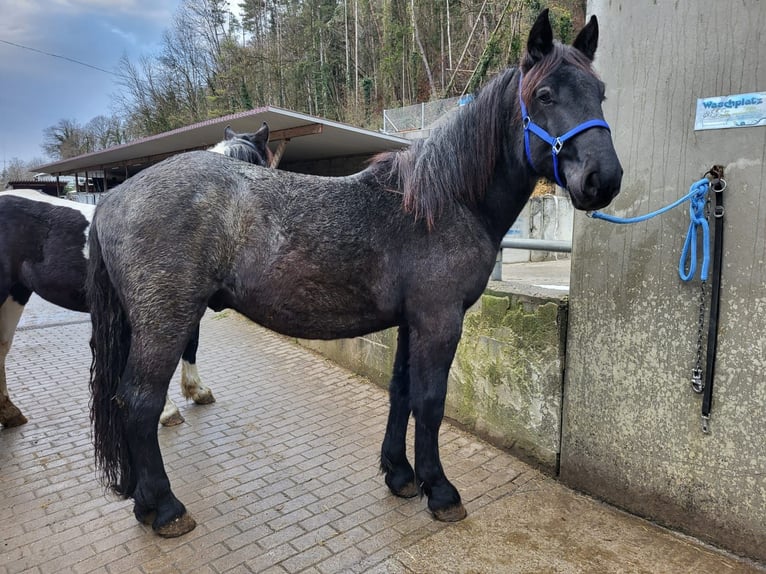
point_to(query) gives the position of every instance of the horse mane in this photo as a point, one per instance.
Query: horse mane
(456, 163)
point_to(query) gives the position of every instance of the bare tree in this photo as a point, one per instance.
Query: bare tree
(422, 51)
(304, 55)
(16, 169)
(65, 139)
(104, 132)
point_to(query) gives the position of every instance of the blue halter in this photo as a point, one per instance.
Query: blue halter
(556, 143)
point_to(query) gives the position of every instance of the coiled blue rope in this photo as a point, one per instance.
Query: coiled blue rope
(697, 198)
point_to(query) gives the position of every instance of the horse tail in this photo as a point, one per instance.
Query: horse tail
(110, 344)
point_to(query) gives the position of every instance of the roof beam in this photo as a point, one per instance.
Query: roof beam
(289, 133)
(284, 136)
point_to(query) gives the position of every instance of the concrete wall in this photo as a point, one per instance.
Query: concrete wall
(506, 382)
(631, 422)
(550, 217)
(544, 217)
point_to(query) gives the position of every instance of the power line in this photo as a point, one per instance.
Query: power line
(62, 58)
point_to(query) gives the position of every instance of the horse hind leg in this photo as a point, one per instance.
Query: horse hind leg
(10, 314)
(191, 384)
(141, 396)
(400, 477)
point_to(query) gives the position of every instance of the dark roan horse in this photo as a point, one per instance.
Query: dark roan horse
(42, 250)
(409, 243)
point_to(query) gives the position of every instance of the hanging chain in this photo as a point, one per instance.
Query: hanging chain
(697, 383)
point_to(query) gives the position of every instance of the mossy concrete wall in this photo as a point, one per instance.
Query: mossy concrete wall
(506, 379)
(632, 432)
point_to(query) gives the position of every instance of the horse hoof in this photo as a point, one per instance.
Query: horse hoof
(409, 490)
(177, 527)
(451, 514)
(204, 398)
(16, 421)
(173, 420)
(10, 415)
(147, 518)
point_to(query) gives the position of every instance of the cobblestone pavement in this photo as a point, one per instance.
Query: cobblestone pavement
(281, 474)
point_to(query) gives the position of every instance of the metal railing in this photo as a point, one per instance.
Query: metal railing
(557, 245)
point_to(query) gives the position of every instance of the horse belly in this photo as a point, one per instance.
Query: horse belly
(321, 327)
(59, 279)
(70, 297)
(318, 314)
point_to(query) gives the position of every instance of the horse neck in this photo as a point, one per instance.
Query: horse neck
(507, 194)
(476, 160)
(513, 179)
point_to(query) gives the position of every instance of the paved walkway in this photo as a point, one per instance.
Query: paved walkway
(281, 474)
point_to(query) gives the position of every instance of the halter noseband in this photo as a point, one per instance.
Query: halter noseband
(556, 143)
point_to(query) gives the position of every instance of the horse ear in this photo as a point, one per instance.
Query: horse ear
(229, 133)
(540, 42)
(587, 39)
(262, 134)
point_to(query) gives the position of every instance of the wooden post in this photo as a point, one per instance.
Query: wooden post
(278, 153)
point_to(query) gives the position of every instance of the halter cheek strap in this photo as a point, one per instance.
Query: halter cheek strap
(556, 143)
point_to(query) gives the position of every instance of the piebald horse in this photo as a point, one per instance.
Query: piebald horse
(43, 250)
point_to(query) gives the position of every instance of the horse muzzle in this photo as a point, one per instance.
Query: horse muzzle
(596, 186)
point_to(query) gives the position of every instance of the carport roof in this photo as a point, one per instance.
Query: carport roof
(310, 138)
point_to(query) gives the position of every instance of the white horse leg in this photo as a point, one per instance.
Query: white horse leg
(191, 388)
(170, 416)
(191, 385)
(10, 314)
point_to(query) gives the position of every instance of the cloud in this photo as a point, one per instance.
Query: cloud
(129, 36)
(51, 37)
(19, 19)
(25, 20)
(146, 9)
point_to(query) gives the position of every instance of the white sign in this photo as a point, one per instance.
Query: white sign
(737, 111)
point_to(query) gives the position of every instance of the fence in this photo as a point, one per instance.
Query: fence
(418, 116)
(83, 197)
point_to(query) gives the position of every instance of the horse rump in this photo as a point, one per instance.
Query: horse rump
(109, 344)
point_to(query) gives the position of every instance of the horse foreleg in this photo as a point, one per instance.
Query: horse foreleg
(432, 349)
(191, 384)
(10, 314)
(400, 477)
(170, 415)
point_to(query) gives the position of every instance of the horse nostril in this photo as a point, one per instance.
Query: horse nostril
(592, 183)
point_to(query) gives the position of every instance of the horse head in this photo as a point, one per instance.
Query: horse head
(249, 147)
(560, 96)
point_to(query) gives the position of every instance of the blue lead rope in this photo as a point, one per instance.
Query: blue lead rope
(697, 197)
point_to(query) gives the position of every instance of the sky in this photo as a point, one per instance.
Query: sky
(38, 90)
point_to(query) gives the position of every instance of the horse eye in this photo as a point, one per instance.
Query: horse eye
(544, 95)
